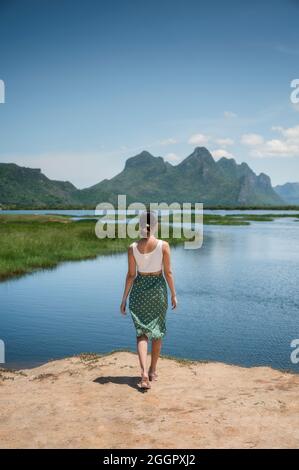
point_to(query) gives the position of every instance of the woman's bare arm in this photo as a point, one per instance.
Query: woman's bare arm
(168, 273)
(131, 274)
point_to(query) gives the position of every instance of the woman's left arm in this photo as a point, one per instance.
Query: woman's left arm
(168, 273)
(131, 274)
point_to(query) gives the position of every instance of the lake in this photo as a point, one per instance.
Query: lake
(238, 302)
(90, 212)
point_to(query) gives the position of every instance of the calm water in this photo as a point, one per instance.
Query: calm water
(238, 294)
(86, 212)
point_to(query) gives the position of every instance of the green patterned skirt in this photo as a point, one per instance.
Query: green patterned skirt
(148, 302)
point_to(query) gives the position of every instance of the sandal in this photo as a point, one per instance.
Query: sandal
(144, 383)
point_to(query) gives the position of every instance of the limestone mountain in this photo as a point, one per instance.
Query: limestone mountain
(23, 186)
(145, 178)
(198, 178)
(289, 192)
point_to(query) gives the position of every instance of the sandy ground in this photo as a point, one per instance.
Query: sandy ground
(87, 402)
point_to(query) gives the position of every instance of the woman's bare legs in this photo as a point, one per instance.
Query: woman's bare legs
(142, 342)
(156, 349)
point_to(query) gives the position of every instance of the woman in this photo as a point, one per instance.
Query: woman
(148, 300)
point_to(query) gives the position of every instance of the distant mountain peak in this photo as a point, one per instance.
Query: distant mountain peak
(143, 160)
(227, 160)
(201, 152)
(289, 192)
(20, 185)
(146, 153)
(200, 157)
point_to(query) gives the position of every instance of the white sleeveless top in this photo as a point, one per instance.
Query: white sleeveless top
(149, 262)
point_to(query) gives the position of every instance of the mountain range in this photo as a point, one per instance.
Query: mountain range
(146, 178)
(289, 192)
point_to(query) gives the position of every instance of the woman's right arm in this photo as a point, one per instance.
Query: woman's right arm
(131, 274)
(168, 273)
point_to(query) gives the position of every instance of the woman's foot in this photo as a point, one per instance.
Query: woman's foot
(144, 382)
(153, 376)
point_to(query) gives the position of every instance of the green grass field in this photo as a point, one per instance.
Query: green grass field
(31, 242)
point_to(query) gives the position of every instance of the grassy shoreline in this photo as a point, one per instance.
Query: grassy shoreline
(33, 242)
(91, 358)
(205, 206)
(29, 243)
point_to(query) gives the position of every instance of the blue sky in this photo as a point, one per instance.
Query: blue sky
(91, 83)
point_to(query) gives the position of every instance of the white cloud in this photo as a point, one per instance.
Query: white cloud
(285, 146)
(229, 114)
(219, 153)
(291, 133)
(280, 147)
(275, 148)
(252, 139)
(198, 139)
(172, 158)
(225, 142)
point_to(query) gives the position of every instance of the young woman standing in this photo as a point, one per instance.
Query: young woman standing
(147, 291)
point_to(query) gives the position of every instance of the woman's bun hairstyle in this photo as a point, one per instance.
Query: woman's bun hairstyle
(147, 223)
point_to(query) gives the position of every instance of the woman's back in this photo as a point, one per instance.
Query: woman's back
(151, 261)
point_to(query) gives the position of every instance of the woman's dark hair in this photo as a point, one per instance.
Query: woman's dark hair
(147, 222)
